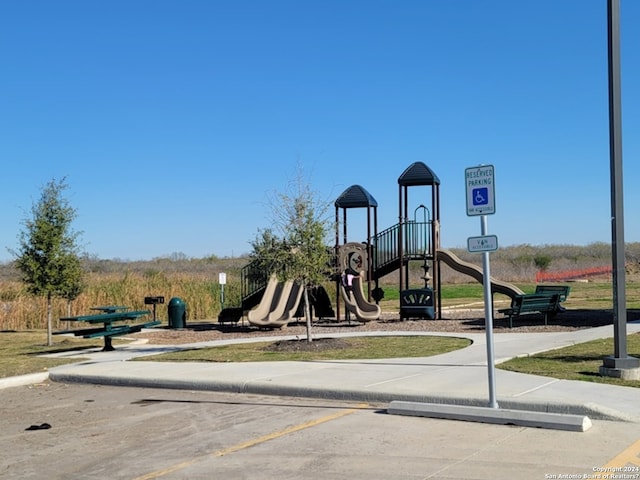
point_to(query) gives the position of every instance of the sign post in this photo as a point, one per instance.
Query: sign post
(480, 188)
(222, 280)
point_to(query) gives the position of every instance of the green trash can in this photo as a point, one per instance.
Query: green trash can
(177, 313)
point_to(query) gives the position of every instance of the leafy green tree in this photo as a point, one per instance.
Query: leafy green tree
(47, 257)
(298, 251)
(74, 282)
(542, 261)
(269, 253)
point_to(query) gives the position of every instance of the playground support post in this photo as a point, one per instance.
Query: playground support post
(488, 315)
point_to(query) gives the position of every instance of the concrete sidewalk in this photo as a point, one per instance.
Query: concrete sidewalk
(455, 378)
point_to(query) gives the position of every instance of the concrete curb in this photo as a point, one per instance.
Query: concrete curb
(556, 421)
(21, 380)
(258, 387)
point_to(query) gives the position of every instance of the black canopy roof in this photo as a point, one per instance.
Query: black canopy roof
(355, 196)
(418, 174)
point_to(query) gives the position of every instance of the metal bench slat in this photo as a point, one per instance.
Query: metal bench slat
(108, 317)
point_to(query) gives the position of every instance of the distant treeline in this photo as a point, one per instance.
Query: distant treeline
(518, 263)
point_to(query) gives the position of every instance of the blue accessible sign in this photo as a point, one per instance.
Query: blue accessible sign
(480, 187)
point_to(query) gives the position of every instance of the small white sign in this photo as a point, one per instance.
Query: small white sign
(480, 185)
(222, 278)
(485, 243)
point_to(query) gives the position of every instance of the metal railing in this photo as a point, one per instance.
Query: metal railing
(416, 240)
(253, 279)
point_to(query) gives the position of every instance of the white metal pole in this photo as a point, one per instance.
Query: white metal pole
(488, 315)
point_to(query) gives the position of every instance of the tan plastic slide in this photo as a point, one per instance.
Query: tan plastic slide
(278, 304)
(476, 272)
(357, 304)
(284, 313)
(267, 302)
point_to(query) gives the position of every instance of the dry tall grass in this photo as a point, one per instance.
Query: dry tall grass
(22, 311)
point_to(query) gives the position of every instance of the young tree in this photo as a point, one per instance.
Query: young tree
(301, 252)
(47, 256)
(74, 283)
(268, 253)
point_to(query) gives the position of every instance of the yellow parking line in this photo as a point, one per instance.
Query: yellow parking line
(250, 443)
(629, 456)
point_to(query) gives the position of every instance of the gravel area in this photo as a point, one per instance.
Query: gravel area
(460, 320)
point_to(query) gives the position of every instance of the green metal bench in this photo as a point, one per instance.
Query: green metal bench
(562, 290)
(108, 330)
(546, 304)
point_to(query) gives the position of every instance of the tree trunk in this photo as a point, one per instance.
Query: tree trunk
(307, 314)
(49, 315)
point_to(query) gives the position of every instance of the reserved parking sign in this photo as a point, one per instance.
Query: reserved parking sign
(480, 187)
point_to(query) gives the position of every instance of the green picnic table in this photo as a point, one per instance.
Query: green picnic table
(110, 308)
(109, 316)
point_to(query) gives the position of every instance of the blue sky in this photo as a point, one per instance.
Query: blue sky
(174, 121)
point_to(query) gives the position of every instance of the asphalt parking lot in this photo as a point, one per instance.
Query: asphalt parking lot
(137, 433)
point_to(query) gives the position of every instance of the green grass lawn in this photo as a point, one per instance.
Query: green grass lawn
(19, 351)
(577, 362)
(352, 348)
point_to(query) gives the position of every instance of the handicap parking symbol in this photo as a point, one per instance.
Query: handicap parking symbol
(480, 196)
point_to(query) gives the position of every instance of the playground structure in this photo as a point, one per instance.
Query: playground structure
(412, 239)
